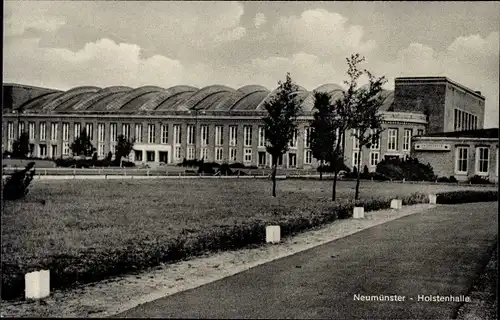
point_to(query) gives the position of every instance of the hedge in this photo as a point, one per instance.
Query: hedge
(91, 266)
(466, 197)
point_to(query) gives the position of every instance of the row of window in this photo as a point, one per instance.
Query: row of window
(374, 158)
(392, 139)
(463, 120)
(482, 161)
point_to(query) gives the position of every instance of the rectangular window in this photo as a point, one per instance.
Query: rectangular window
(53, 131)
(496, 160)
(150, 155)
(233, 135)
(219, 135)
(462, 120)
(232, 154)
(138, 134)
(43, 132)
(177, 134)
(138, 155)
(151, 133)
(126, 130)
(204, 135)
(65, 127)
(218, 154)
(455, 120)
(20, 128)
(248, 155)
(190, 153)
(31, 130)
(89, 128)
(204, 154)
(308, 157)
(10, 131)
(407, 139)
(113, 135)
(392, 141)
(355, 155)
(42, 150)
(293, 142)
(31, 149)
(374, 158)
(53, 152)
(475, 123)
(77, 129)
(375, 145)
(100, 149)
(292, 160)
(190, 134)
(482, 160)
(66, 148)
(247, 135)
(461, 160)
(307, 137)
(355, 141)
(101, 132)
(262, 136)
(420, 132)
(262, 158)
(164, 133)
(177, 153)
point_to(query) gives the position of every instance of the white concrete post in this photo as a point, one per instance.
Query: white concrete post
(396, 204)
(37, 284)
(359, 213)
(432, 199)
(273, 234)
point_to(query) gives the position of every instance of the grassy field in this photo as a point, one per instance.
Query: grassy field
(83, 220)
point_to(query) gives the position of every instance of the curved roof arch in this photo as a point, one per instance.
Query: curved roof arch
(103, 102)
(201, 94)
(161, 97)
(252, 88)
(131, 95)
(53, 104)
(136, 103)
(87, 103)
(329, 87)
(173, 101)
(68, 104)
(249, 102)
(38, 101)
(300, 90)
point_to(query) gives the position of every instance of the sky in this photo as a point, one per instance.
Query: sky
(64, 44)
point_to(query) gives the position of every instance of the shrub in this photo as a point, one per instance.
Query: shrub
(478, 180)
(237, 165)
(410, 169)
(443, 179)
(453, 179)
(466, 196)
(16, 186)
(126, 164)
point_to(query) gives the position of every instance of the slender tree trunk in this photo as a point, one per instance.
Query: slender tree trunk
(334, 188)
(356, 197)
(336, 167)
(273, 175)
(321, 170)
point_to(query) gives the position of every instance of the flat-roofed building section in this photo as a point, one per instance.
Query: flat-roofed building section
(461, 154)
(449, 105)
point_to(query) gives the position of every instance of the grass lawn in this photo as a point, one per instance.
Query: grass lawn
(82, 220)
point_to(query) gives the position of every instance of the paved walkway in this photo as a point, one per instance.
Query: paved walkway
(437, 252)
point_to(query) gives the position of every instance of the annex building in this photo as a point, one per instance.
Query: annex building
(222, 124)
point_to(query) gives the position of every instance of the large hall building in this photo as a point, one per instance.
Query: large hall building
(222, 124)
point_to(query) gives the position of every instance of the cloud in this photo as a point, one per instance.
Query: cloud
(470, 60)
(259, 19)
(102, 63)
(323, 33)
(24, 16)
